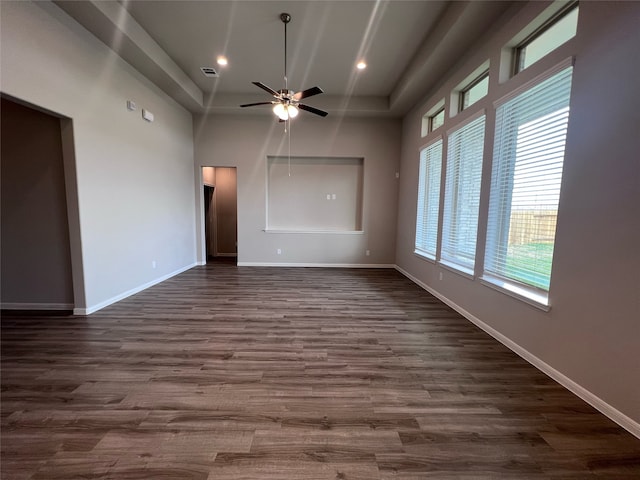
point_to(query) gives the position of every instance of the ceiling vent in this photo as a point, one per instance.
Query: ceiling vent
(209, 72)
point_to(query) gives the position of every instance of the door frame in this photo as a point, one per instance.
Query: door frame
(200, 226)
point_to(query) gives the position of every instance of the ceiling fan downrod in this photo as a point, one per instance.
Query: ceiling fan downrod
(286, 102)
(286, 18)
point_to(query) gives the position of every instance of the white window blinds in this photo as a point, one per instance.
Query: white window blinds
(531, 130)
(462, 194)
(428, 200)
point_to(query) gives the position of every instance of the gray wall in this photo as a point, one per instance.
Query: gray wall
(590, 335)
(36, 256)
(245, 141)
(314, 193)
(135, 189)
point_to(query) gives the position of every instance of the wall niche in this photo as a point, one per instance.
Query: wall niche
(314, 194)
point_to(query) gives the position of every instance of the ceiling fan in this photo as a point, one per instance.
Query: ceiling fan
(286, 103)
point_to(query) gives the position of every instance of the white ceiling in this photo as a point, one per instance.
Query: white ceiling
(407, 45)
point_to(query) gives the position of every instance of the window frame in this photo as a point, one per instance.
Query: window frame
(435, 114)
(454, 262)
(427, 118)
(465, 90)
(424, 180)
(555, 18)
(531, 294)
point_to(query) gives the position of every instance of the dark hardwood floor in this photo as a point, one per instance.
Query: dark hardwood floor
(228, 372)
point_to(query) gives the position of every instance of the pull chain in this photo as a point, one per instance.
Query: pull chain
(289, 135)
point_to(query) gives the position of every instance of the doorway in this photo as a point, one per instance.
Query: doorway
(220, 213)
(36, 261)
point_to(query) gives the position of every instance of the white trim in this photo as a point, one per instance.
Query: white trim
(36, 306)
(462, 270)
(527, 295)
(424, 256)
(320, 265)
(94, 308)
(596, 402)
(435, 108)
(331, 232)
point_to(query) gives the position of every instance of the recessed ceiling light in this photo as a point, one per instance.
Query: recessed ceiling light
(361, 65)
(222, 60)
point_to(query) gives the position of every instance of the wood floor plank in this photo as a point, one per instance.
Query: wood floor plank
(231, 373)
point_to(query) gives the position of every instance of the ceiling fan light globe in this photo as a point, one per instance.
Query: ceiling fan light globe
(293, 111)
(281, 111)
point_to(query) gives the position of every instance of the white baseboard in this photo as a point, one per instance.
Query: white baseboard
(94, 308)
(36, 306)
(320, 265)
(596, 402)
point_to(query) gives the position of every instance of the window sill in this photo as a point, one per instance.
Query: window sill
(424, 256)
(459, 269)
(532, 297)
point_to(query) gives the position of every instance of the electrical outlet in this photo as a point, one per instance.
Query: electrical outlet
(333, 196)
(328, 196)
(440, 276)
(367, 253)
(279, 251)
(153, 264)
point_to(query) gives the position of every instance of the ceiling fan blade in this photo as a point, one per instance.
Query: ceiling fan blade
(309, 92)
(317, 111)
(259, 103)
(266, 88)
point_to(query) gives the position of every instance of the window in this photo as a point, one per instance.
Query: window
(433, 119)
(474, 91)
(462, 195)
(531, 130)
(436, 120)
(550, 36)
(429, 200)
